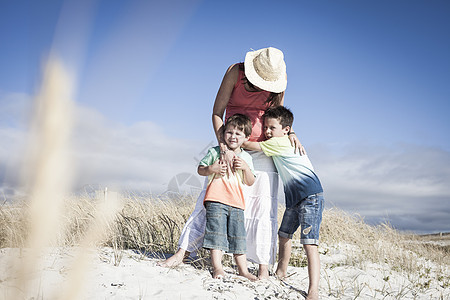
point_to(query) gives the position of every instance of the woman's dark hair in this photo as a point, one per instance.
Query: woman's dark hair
(273, 100)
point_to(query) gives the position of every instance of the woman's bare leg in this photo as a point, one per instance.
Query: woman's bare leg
(241, 262)
(263, 272)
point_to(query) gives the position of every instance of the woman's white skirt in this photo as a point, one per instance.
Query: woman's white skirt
(261, 203)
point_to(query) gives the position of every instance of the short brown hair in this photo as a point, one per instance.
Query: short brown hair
(241, 122)
(282, 114)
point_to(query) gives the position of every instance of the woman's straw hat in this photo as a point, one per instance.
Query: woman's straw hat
(266, 69)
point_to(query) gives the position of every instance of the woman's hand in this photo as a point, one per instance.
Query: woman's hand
(227, 156)
(295, 142)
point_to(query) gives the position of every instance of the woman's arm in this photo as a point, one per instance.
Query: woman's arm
(222, 98)
(220, 104)
(295, 142)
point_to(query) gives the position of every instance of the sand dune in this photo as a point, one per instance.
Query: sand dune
(115, 274)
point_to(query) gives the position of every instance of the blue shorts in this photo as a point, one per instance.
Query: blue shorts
(225, 228)
(308, 215)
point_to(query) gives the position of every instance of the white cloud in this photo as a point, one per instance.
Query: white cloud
(14, 109)
(138, 156)
(407, 185)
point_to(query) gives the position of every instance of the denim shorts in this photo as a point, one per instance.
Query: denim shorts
(225, 228)
(308, 215)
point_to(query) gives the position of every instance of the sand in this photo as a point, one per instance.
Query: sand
(105, 273)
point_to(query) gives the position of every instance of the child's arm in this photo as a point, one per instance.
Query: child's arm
(252, 146)
(240, 164)
(215, 168)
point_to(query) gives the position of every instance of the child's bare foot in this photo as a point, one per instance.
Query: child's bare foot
(313, 295)
(218, 274)
(172, 261)
(263, 272)
(249, 276)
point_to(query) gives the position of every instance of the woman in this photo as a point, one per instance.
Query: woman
(247, 88)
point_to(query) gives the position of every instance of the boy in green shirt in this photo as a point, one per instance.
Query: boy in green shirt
(303, 194)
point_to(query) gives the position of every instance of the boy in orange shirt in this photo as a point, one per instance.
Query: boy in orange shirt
(224, 199)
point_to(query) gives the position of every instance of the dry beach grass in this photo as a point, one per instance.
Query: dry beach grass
(152, 226)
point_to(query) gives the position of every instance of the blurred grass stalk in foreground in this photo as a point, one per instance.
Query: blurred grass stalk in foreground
(40, 222)
(47, 171)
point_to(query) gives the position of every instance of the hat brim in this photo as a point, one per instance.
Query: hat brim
(277, 86)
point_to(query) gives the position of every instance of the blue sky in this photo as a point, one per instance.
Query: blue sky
(368, 82)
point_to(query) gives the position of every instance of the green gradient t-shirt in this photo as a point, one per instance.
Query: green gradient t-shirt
(296, 171)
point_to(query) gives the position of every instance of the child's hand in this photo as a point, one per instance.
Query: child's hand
(239, 164)
(219, 167)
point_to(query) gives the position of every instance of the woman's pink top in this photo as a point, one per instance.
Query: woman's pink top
(248, 103)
